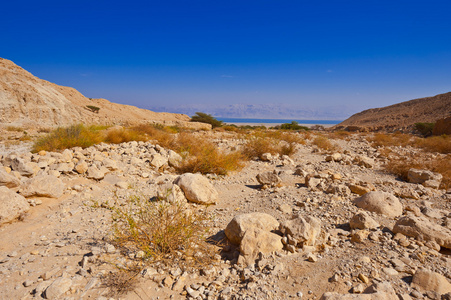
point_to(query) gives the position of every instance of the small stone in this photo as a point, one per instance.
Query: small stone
(312, 257)
(364, 278)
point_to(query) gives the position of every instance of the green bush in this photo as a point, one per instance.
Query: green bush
(425, 128)
(292, 126)
(206, 118)
(93, 108)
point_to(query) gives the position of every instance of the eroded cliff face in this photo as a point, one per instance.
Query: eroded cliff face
(28, 101)
(401, 116)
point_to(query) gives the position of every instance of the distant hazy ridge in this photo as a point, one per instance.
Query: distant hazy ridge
(402, 115)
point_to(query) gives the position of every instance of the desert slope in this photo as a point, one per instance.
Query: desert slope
(28, 101)
(403, 115)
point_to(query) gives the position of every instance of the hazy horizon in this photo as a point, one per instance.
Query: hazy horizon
(297, 59)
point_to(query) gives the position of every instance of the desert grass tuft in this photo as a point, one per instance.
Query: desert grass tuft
(122, 281)
(162, 231)
(324, 144)
(68, 137)
(122, 135)
(203, 156)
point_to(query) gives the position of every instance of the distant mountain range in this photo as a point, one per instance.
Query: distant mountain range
(259, 111)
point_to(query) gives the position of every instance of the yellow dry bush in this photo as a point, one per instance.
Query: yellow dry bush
(68, 137)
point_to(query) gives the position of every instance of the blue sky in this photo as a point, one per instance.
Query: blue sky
(318, 54)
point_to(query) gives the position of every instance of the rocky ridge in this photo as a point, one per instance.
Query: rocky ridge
(30, 102)
(401, 116)
(310, 226)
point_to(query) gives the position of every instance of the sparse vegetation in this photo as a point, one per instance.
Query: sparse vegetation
(274, 142)
(206, 118)
(162, 231)
(291, 126)
(425, 129)
(14, 129)
(93, 108)
(324, 143)
(122, 135)
(68, 137)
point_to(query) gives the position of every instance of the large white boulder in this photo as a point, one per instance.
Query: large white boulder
(43, 186)
(236, 229)
(197, 188)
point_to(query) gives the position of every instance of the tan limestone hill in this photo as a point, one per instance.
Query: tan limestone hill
(401, 116)
(30, 102)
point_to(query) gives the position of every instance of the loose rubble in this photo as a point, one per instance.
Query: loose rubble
(309, 226)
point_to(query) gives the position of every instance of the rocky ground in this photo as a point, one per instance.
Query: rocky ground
(316, 225)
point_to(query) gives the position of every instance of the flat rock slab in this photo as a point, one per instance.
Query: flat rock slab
(423, 229)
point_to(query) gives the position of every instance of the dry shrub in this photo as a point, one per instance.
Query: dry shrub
(271, 141)
(121, 282)
(68, 137)
(163, 135)
(117, 136)
(14, 128)
(401, 164)
(202, 156)
(340, 134)
(440, 144)
(324, 143)
(388, 139)
(163, 231)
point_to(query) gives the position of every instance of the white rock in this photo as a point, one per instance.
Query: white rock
(43, 186)
(197, 188)
(11, 205)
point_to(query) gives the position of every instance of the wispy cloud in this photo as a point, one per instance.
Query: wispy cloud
(329, 71)
(226, 76)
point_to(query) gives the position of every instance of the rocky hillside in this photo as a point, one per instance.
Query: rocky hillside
(28, 101)
(401, 116)
(310, 226)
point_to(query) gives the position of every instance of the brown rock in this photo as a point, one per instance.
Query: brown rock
(427, 280)
(423, 229)
(381, 203)
(236, 229)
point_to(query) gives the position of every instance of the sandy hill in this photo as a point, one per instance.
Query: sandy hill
(28, 101)
(401, 116)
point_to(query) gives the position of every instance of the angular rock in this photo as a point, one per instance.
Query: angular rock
(303, 230)
(257, 240)
(158, 161)
(269, 179)
(11, 205)
(24, 168)
(236, 229)
(58, 288)
(334, 157)
(95, 173)
(363, 221)
(381, 203)
(423, 229)
(425, 177)
(266, 157)
(426, 280)
(197, 188)
(81, 167)
(171, 193)
(8, 180)
(174, 159)
(364, 161)
(43, 186)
